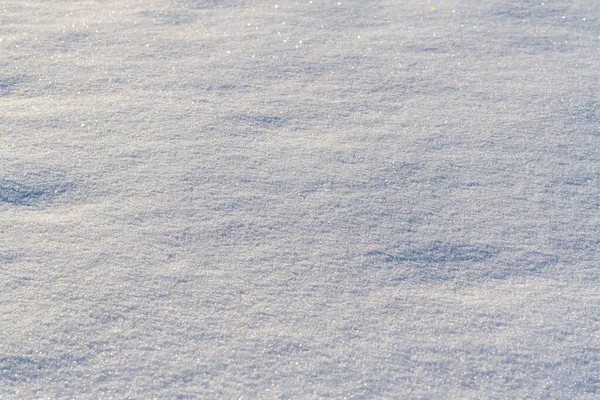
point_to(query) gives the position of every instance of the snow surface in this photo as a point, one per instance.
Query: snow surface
(299, 199)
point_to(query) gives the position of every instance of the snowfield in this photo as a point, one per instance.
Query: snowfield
(299, 199)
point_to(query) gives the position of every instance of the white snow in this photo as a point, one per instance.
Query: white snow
(250, 199)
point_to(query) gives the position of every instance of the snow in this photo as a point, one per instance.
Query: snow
(299, 199)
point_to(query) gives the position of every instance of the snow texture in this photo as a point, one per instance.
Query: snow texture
(299, 199)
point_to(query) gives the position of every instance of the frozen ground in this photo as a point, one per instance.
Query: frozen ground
(296, 199)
